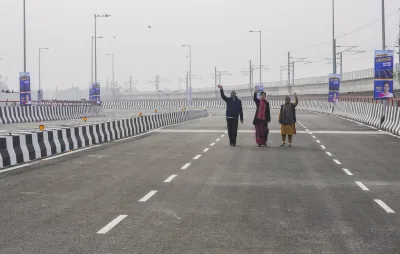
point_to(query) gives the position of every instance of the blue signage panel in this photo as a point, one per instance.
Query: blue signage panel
(96, 92)
(260, 88)
(25, 88)
(40, 94)
(334, 87)
(383, 83)
(90, 94)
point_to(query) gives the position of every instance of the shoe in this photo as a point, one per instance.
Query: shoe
(283, 144)
(233, 144)
(290, 145)
(259, 145)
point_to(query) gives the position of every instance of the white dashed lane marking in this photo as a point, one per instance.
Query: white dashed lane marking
(318, 141)
(314, 136)
(218, 139)
(205, 150)
(169, 179)
(323, 147)
(212, 144)
(197, 157)
(112, 224)
(328, 153)
(148, 196)
(347, 171)
(337, 162)
(362, 186)
(384, 206)
(185, 166)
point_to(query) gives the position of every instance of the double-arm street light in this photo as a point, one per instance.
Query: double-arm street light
(95, 41)
(258, 31)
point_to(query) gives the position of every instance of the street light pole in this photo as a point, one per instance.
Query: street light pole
(333, 37)
(259, 31)
(24, 36)
(91, 59)
(95, 42)
(40, 49)
(383, 26)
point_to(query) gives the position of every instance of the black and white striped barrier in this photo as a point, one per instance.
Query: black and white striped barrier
(23, 147)
(46, 113)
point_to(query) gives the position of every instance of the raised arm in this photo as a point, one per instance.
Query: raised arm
(296, 100)
(256, 100)
(222, 93)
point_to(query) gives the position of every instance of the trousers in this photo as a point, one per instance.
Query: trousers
(232, 124)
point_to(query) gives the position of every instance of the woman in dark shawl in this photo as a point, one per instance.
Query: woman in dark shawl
(287, 119)
(261, 119)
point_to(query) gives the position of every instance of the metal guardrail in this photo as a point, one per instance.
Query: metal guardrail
(8, 103)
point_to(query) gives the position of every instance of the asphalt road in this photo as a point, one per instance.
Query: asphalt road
(242, 199)
(110, 114)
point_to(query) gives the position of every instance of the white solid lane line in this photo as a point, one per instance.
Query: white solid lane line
(362, 186)
(318, 141)
(328, 153)
(212, 144)
(323, 147)
(205, 150)
(112, 224)
(347, 171)
(197, 156)
(186, 166)
(337, 162)
(384, 206)
(148, 196)
(169, 179)
(218, 139)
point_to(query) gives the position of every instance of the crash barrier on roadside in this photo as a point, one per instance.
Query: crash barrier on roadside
(47, 113)
(361, 109)
(27, 146)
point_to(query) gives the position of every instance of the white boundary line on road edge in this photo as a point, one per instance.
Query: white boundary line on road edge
(148, 196)
(205, 150)
(384, 206)
(67, 153)
(197, 156)
(16, 167)
(112, 224)
(186, 166)
(337, 161)
(169, 179)
(362, 186)
(347, 171)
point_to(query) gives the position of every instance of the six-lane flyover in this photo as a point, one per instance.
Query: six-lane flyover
(169, 182)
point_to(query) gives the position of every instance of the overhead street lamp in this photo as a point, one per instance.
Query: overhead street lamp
(113, 80)
(95, 41)
(40, 50)
(24, 11)
(258, 31)
(190, 64)
(91, 59)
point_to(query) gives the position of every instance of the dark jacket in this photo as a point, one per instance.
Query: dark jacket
(293, 110)
(267, 111)
(233, 107)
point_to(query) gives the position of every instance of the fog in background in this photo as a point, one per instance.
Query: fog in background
(216, 29)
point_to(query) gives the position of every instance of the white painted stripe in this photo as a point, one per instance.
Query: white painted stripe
(270, 131)
(384, 206)
(218, 139)
(314, 136)
(212, 144)
(186, 166)
(307, 130)
(337, 162)
(323, 147)
(328, 153)
(112, 224)
(197, 156)
(318, 141)
(310, 133)
(205, 150)
(347, 171)
(16, 167)
(362, 186)
(148, 196)
(169, 179)
(68, 153)
(222, 136)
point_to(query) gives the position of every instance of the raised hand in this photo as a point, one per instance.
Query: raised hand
(219, 86)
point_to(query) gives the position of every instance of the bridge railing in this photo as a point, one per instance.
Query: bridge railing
(9, 103)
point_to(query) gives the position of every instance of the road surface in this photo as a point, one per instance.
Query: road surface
(183, 189)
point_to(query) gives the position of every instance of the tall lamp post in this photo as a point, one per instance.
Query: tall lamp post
(95, 41)
(259, 31)
(113, 80)
(24, 10)
(190, 71)
(40, 50)
(333, 38)
(91, 59)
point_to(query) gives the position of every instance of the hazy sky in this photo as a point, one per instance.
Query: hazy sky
(216, 29)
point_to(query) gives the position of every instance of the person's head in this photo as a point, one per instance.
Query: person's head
(386, 87)
(263, 95)
(287, 99)
(233, 94)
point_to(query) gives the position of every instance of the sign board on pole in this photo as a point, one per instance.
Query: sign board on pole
(334, 87)
(383, 83)
(40, 94)
(25, 88)
(96, 92)
(90, 94)
(260, 88)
